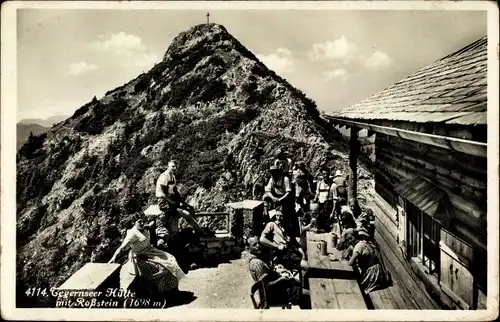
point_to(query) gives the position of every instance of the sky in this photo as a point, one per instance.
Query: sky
(336, 57)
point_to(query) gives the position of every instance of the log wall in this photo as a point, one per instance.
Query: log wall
(463, 177)
(392, 256)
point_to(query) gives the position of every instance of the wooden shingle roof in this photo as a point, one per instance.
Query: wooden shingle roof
(452, 90)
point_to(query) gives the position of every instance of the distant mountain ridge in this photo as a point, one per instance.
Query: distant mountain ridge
(23, 131)
(210, 104)
(48, 122)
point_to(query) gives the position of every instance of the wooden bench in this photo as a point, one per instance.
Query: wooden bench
(383, 300)
(333, 284)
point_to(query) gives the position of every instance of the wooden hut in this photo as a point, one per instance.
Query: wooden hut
(430, 172)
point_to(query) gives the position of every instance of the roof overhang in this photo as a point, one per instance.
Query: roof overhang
(478, 149)
(427, 197)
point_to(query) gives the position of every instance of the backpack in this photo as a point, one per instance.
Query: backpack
(341, 188)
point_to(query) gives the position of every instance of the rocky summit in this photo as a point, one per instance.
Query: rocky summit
(210, 104)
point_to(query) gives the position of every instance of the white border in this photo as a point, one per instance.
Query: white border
(8, 167)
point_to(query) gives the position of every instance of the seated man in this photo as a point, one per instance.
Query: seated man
(280, 287)
(286, 248)
(171, 203)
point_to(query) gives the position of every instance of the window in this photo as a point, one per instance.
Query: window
(423, 238)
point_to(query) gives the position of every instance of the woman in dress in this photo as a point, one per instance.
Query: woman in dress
(364, 255)
(158, 267)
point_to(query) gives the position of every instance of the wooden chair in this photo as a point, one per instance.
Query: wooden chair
(263, 301)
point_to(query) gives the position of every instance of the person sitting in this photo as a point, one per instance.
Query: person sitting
(308, 222)
(280, 286)
(286, 248)
(347, 226)
(364, 255)
(158, 267)
(365, 220)
(346, 242)
(171, 203)
(355, 207)
(346, 218)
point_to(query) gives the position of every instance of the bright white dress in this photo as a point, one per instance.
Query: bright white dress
(159, 267)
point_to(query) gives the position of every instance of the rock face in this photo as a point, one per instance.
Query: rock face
(209, 104)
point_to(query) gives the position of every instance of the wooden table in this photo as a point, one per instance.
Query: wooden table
(333, 284)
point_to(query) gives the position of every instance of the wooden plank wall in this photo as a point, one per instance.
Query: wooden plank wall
(463, 177)
(414, 290)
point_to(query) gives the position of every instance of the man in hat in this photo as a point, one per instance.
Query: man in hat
(278, 189)
(339, 192)
(278, 192)
(283, 162)
(324, 198)
(301, 186)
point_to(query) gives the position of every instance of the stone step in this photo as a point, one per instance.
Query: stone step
(90, 276)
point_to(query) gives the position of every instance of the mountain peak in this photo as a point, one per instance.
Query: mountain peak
(201, 33)
(210, 104)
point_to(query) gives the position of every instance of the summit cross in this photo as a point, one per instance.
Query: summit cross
(208, 17)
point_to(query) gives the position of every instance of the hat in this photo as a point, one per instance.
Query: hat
(348, 231)
(338, 173)
(273, 168)
(344, 210)
(363, 231)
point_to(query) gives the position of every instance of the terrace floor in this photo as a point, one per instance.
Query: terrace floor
(225, 286)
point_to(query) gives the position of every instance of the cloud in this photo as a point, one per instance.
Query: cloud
(127, 49)
(81, 67)
(378, 60)
(338, 50)
(336, 73)
(120, 43)
(280, 61)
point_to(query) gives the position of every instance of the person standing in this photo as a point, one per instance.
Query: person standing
(339, 191)
(283, 162)
(278, 192)
(325, 202)
(302, 187)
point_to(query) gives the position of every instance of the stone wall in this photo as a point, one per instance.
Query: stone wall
(221, 247)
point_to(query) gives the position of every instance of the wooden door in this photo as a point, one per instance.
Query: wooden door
(456, 277)
(402, 227)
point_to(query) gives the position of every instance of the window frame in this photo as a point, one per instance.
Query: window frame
(418, 238)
